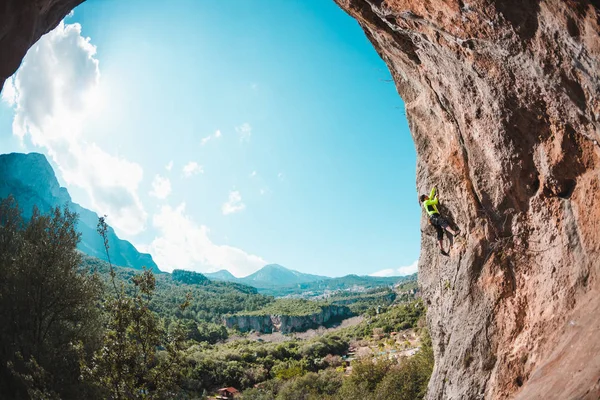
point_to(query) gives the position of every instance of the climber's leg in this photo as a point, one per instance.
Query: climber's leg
(440, 236)
(445, 225)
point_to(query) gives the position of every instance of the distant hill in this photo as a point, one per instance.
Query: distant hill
(222, 275)
(269, 276)
(210, 300)
(277, 275)
(353, 283)
(30, 179)
(278, 281)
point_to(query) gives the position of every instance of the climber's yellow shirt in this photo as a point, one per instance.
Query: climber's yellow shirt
(430, 205)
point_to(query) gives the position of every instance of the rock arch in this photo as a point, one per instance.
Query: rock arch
(503, 102)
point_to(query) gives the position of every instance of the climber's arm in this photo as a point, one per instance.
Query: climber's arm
(432, 197)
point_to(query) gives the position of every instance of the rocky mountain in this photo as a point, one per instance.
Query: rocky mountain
(30, 179)
(503, 102)
(278, 281)
(269, 276)
(277, 275)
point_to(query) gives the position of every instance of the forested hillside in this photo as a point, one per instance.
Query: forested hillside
(73, 326)
(208, 300)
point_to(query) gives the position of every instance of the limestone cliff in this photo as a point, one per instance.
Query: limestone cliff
(502, 98)
(286, 323)
(30, 179)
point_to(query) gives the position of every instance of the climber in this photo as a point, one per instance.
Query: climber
(440, 224)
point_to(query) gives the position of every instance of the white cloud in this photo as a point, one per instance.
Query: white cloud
(252, 174)
(161, 187)
(406, 270)
(9, 93)
(206, 139)
(169, 166)
(262, 191)
(192, 168)
(384, 272)
(54, 92)
(245, 131)
(186, 245)
(409, 269)
(233, 204)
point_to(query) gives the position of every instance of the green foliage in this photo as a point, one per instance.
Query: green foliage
(209, 300)
(311, 386)
(46, 304)
(395, 318)
(203, 331)
(189, 277)
(289, 369)
(368, 373)
(408, 380)
(361, 302)
(291, 307)
(405, 379)
(128, 365)
(243, 363)
(73, 327)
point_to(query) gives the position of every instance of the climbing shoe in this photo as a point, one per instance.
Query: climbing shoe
(444, 253)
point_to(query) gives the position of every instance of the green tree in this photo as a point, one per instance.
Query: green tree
(129, 364)
(47, 303)
(312, 386)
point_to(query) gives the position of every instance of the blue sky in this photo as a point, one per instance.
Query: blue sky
(225, 134)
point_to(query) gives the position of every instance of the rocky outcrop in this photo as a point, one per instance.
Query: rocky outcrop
(286, 323)
(502, 99)
(30, 179)
(22, 23)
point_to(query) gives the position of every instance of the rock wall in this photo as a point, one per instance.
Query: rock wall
(22, 23)
(286, 323)
(502, 98)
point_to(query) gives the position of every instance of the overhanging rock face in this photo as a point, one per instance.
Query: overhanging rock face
(503, 102)
(22, 23)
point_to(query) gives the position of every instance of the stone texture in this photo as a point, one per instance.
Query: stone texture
(286, 323)
(502, 101)
(22, 23)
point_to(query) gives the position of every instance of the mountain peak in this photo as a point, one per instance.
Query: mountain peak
(275, 274)
(30, 179)
(274, 267)
(221, 275)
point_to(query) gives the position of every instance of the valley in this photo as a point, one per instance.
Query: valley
(262, 334)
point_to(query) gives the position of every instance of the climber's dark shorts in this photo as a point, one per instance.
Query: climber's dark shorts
(439, 223)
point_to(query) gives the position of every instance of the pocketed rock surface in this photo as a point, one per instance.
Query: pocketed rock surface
(502, 98)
